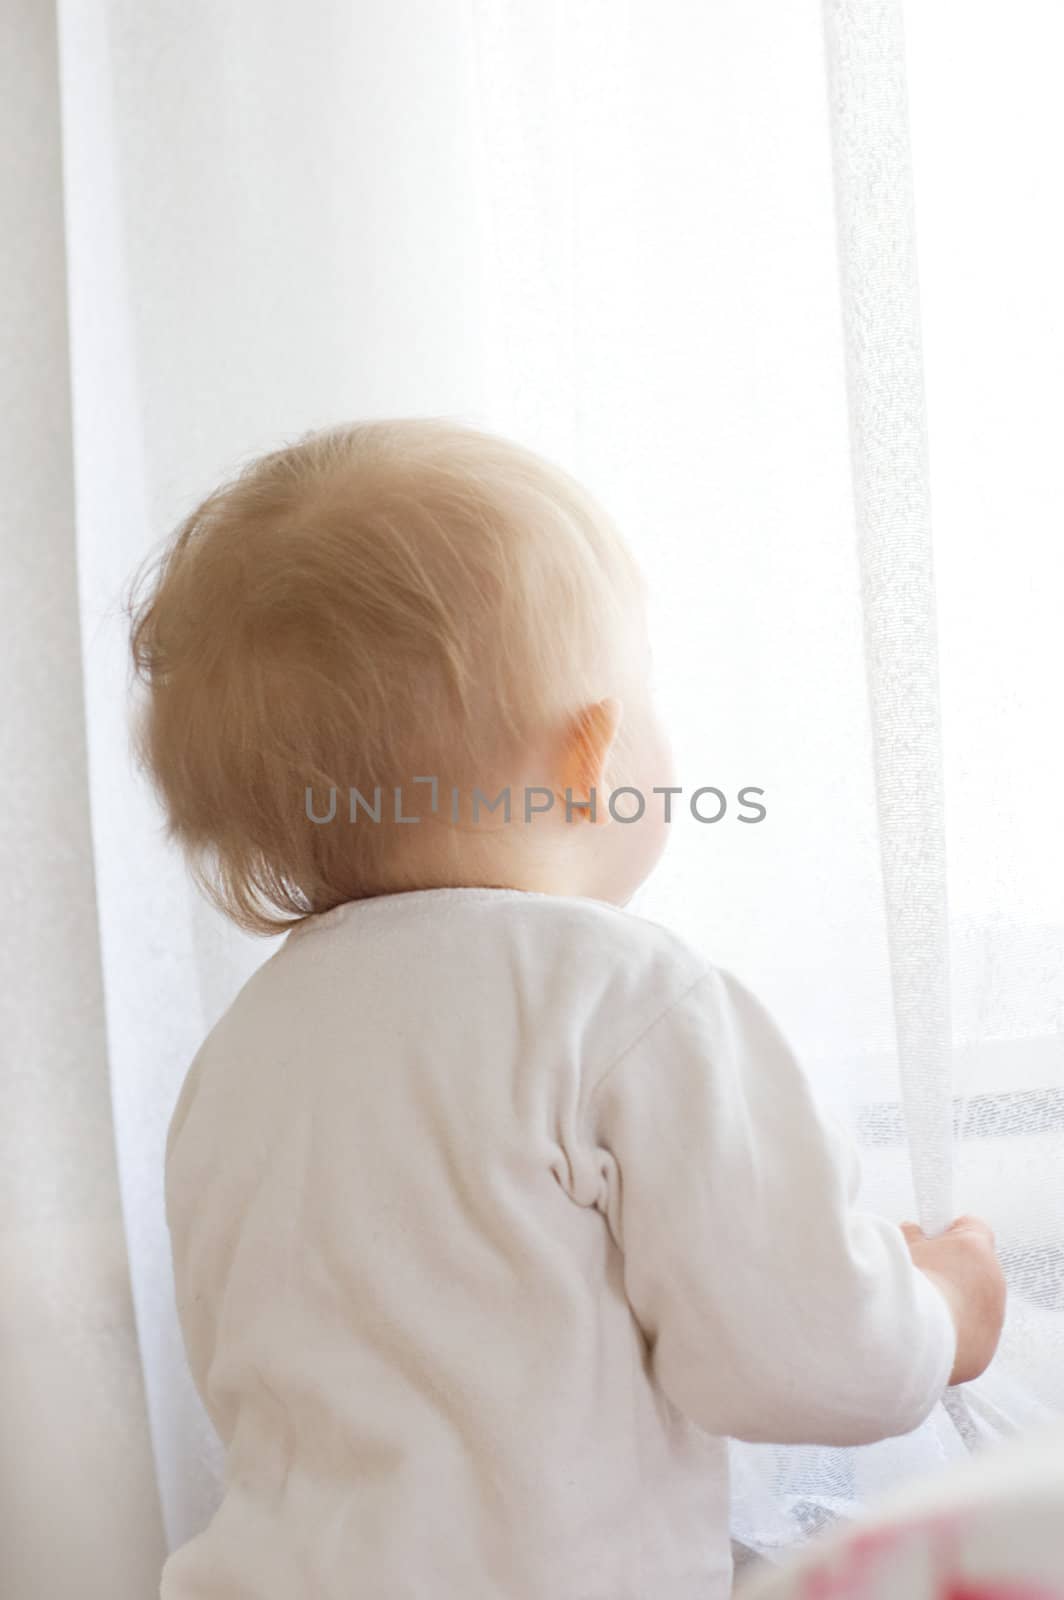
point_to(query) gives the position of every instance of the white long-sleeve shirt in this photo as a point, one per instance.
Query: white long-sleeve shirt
(492, 1214)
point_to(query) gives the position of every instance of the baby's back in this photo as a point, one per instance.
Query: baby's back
(402, 1301)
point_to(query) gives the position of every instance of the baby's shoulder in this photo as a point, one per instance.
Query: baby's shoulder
(612, 934)
(616, 970)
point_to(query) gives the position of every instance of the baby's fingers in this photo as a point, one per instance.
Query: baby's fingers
(963, 1224)
(976, 1225)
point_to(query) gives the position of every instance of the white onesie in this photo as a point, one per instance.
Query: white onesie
(492, 1214)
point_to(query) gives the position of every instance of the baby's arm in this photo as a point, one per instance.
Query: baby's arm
(772, 1309)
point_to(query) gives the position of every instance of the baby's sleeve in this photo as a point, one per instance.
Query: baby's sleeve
(773, 1310)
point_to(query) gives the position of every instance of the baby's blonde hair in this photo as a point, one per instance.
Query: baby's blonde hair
(375, 602)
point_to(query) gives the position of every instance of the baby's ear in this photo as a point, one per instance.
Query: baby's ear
(588, 742)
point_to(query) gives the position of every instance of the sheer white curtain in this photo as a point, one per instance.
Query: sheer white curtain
(609, 230)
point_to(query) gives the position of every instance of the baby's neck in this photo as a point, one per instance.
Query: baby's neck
(506, 857)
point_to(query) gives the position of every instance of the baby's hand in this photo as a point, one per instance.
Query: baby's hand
(963, 1264)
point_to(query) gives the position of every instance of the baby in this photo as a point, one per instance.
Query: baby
(495, 1209)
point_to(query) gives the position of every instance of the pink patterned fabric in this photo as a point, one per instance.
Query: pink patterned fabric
(873, 1554)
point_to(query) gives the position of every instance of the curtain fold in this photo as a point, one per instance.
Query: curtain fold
(616, 234)
(80, 1503)
(865, 54)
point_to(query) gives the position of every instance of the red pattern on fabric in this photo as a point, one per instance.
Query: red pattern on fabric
(851, 1567)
